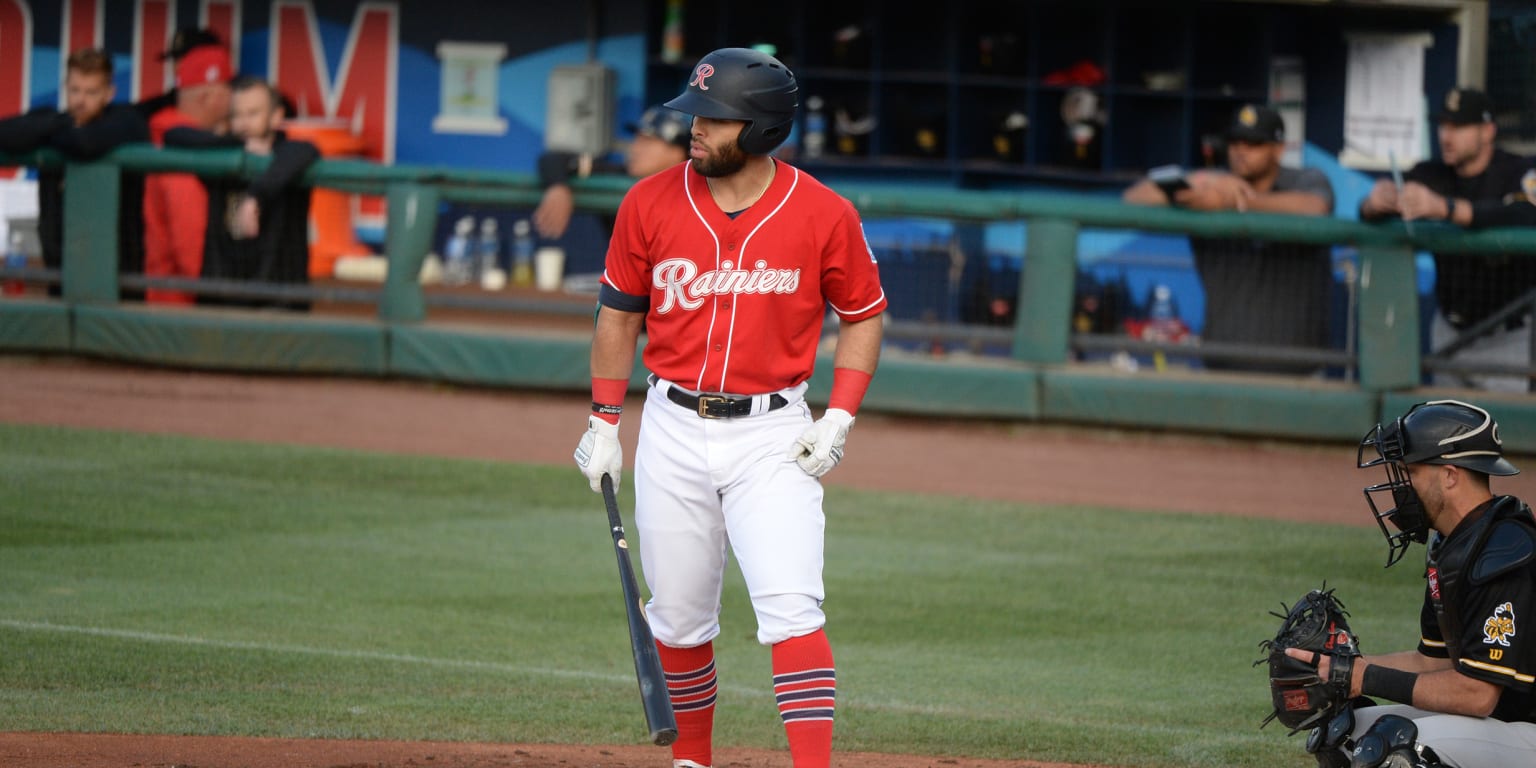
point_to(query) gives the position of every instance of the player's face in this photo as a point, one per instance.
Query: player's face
(1462, 144)
(252, 115)
(648, 155)
(715, 152)
(1426, 483)
(209, 106)
(87, 95)
(1253, 160)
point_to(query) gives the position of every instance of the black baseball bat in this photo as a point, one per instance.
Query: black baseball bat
(653, 682)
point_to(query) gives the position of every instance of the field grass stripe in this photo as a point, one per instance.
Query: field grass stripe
(242, 645)
(883, 704)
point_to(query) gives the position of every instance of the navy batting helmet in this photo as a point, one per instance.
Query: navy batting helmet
(669, 125)
(1435, 432)
(743, 84)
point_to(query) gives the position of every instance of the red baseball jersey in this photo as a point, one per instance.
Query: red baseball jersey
(736, 305)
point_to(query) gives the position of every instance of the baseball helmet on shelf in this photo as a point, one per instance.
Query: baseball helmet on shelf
(1434, 432)
(743, 84)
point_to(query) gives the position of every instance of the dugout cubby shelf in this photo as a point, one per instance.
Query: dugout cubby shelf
(935, 92)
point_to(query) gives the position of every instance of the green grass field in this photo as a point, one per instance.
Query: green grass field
(171, 585)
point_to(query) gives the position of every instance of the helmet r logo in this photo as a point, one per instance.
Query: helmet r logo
(703, 71)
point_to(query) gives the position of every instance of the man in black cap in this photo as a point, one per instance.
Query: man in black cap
(1256, 293)
(1472, 184)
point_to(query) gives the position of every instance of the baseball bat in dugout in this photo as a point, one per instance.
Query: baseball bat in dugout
(653, 682)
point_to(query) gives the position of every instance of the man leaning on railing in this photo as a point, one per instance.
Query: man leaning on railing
(1256, 292)
(1482, 301)
(258, 229)
(91, 126)
(176, 203)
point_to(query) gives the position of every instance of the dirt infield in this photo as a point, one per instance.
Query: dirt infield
(35, 750)
(1041, 464)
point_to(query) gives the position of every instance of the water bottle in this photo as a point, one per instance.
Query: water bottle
(1163, 322)
(1162, 310)
(457, 259)
(16, 258)
(488, 250)
(815, 140)
(522, 253)
(672, 33)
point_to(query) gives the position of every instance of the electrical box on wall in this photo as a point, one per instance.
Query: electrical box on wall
(581, 109)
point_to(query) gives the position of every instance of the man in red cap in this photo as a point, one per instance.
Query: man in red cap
(176, 204)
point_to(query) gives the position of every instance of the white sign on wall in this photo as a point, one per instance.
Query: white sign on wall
(1384, 112)
(470, 90)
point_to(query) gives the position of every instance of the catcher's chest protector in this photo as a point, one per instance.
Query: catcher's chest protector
(1499, 540)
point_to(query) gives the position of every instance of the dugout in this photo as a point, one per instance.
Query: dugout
(988, 251)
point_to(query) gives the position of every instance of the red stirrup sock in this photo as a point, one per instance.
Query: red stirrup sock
(806, 688)
(692, 687)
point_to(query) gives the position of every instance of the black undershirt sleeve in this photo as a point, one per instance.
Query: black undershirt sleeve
(609, 296)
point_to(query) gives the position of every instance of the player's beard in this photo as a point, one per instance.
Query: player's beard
(722, 162)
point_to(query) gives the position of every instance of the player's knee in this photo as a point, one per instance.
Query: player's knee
(1329, 742)
(681, 626)
(780, 617)
(1448, 738)
(1393, 742)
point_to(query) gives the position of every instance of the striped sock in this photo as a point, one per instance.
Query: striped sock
(805, 685)
(692, 687)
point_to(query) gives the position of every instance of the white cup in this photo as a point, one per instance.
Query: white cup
(548, 267)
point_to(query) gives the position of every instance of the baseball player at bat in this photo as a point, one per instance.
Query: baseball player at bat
(729, 262)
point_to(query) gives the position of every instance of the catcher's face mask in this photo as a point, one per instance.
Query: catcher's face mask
(1383, 446)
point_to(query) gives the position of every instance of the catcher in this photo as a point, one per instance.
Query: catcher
(1464, 697)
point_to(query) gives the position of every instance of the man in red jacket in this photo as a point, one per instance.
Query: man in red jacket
(176, 204)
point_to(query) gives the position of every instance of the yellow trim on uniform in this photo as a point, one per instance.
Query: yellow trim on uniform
(1506, 671)
(1432, 643)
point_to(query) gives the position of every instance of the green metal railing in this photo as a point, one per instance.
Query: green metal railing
(1387, 355)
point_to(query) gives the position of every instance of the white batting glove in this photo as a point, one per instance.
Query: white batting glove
(820, 447)
(599, 453)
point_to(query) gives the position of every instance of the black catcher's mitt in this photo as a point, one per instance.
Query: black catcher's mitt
(1317, 623)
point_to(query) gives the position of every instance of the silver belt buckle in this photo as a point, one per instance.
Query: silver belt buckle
(706, 400)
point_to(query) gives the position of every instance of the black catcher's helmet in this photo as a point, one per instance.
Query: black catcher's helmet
(743, 84)
(1434, 432)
